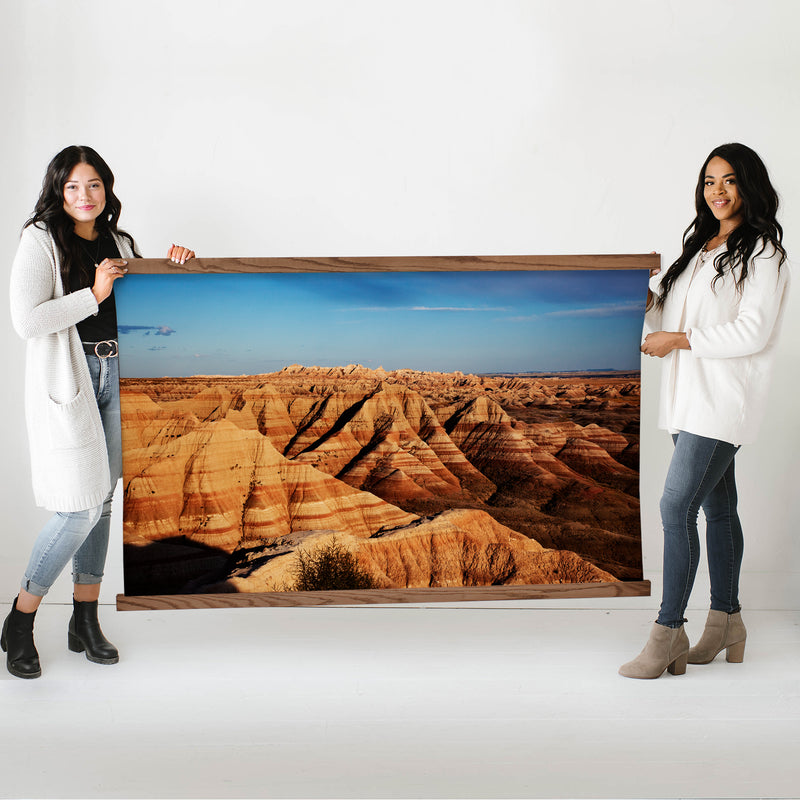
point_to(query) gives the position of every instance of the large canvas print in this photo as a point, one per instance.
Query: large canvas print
(295, 437)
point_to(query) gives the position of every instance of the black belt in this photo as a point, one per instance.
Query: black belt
(107, 349)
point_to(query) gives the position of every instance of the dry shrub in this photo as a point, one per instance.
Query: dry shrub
(330, 566)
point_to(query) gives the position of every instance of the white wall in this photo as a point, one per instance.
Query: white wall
(360, 127)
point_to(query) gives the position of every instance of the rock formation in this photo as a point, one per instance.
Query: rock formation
(430, 479)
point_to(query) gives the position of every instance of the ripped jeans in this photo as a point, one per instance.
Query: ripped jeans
(82, 536)
(700, 475)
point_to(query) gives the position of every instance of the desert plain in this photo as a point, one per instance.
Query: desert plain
(424, 479)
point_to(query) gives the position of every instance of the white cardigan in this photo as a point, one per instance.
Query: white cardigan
(69, 462)
(718, 389)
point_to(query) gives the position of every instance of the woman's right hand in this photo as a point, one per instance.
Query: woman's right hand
(650, 297)
(108, 270)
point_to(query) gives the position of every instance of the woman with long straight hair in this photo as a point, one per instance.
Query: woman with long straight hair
(715, 316)
(62, 302)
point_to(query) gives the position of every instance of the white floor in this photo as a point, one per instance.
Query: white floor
(398, 703)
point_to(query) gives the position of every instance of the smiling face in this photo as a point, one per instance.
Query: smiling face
(721, 193)
(84, 198)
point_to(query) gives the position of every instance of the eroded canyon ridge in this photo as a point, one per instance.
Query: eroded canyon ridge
(424, 479)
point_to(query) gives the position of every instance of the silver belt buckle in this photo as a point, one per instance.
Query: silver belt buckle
(107, 349)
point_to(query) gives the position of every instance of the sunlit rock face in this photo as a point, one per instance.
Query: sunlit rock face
(428, 479)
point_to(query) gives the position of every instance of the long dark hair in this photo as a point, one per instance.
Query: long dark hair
(759, 207)
(49, 210)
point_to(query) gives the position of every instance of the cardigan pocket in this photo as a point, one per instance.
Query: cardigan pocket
(71, 423)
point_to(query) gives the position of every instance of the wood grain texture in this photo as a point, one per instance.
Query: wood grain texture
(386, 596)
(395, 264)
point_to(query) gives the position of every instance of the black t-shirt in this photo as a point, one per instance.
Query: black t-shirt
(103, 325)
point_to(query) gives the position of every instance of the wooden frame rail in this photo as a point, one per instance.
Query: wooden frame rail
(396, 264)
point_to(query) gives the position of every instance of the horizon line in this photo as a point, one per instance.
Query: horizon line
(355, 367)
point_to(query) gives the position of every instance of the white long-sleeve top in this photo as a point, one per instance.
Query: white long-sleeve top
(719, 387)
(69, 461)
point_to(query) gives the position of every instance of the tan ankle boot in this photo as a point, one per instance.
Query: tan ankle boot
(722, 632)
(666, 648)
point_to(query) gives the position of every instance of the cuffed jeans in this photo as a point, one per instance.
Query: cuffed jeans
(700, 475)
(82, 536)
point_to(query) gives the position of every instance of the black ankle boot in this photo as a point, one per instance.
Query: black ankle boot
(17, 641)
(85, 634)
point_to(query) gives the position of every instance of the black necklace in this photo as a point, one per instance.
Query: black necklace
(93, 257)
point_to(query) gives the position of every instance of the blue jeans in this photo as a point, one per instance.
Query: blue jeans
(700, 475)
(82, 536)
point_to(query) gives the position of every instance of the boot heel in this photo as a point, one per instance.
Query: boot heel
(735, 654)
(678, 666)
(75, 644)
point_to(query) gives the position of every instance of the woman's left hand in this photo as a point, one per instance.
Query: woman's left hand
(662, 343)
(650, 296)
(180, 255)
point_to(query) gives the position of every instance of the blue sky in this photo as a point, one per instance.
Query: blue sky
(185, 324)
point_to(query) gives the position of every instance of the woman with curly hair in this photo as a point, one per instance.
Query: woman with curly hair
(62, 302)
(715, 317)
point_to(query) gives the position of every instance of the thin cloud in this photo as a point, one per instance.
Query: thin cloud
(609, 310)
(600, 311)
(157, 330)
(384, 309)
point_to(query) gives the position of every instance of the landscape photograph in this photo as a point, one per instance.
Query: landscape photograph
(377, 431)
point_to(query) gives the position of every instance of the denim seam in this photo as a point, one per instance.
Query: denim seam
(730, 539)
(727, 484)
(101, 380)
(34, 588)
(86, 579)
(694, 558)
